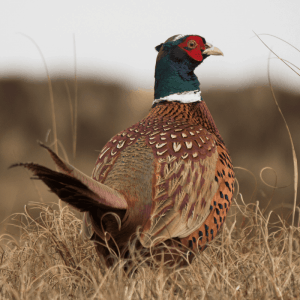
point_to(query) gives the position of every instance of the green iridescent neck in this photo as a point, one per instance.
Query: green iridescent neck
(174, 76)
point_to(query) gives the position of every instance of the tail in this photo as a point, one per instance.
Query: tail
(74, 187)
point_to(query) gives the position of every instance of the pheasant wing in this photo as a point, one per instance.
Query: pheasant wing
(185, 183)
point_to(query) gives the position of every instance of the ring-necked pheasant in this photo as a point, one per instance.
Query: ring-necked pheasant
(169, 174)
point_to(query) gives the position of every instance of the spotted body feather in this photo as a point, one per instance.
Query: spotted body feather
(192, 176)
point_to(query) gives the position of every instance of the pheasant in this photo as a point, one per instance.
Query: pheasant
(169, 176)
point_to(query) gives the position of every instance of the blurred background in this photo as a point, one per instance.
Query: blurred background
(108, 46)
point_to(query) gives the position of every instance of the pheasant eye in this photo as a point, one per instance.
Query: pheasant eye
(192, 44)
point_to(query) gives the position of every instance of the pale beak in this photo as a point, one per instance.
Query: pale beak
(211, 50)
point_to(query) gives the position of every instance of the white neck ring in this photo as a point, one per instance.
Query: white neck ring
(185, 97)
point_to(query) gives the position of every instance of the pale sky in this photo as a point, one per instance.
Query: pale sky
(115, 40)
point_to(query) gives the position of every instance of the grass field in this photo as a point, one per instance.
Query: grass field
(256, 260)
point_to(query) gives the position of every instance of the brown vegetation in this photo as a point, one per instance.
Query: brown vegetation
(52, 261)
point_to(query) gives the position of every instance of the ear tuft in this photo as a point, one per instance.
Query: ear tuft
(157, 48)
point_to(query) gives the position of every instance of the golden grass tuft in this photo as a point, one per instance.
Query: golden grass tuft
(52, 261)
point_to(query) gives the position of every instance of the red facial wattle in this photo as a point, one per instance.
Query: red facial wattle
(195, 53)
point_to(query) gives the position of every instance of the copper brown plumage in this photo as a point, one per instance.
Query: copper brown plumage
(169, 175)
(187, 164)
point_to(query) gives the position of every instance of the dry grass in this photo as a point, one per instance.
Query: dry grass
(52, 261)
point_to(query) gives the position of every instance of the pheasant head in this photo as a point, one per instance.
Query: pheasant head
(176, 61)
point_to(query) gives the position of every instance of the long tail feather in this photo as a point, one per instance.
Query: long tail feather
(74, 187)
